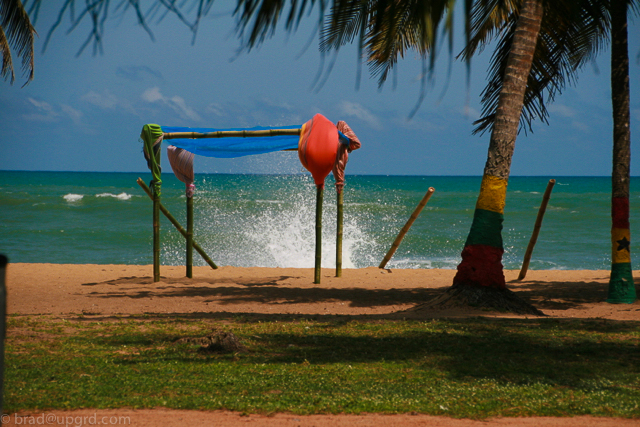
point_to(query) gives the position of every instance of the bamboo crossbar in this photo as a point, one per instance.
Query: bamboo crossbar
(177, 225)
(233, 133)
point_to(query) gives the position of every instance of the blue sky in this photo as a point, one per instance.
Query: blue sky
(85, 113)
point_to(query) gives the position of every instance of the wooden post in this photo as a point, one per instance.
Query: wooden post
(318, 265)
(339, 234)
(177, 225)
(189, 237)
(3, 324)
(156, 232)
(536, 229)
(406, 227)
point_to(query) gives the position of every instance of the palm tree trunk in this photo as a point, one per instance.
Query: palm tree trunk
(481, 264)
(621, 285)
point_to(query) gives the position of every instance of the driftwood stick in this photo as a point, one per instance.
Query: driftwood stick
(176, 224)
(406, 227)
(536, 229)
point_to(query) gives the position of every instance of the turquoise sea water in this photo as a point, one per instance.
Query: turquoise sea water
(268, 220)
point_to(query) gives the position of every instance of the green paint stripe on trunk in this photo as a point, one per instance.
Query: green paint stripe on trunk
(486, 229)
(622, 290)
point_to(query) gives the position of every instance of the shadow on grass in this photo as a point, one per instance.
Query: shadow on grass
(519, 351)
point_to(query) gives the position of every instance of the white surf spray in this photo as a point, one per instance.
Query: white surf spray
(121, 196)
(73, 197)
(274, 230)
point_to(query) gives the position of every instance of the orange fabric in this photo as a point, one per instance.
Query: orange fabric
(318, 147)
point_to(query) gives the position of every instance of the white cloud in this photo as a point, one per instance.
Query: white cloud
(41, 105)
(470, 113)
(562, 110)
(73, 114)
(105, 100)
(216, 109)
(354, 109)
(152, 95)
(44, 112)
(176, 103)
(580, 126)
(180, 107)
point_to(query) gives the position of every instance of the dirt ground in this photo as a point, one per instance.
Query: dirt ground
(103, 291)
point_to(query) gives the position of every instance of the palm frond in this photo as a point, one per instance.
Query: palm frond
(346, 20)
(258, 19)
(7, 62)
(487, 18)
(17, 32)
(97, 12)
(571, 34)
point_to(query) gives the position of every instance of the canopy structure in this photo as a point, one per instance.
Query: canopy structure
(235, 142)
(322, 147)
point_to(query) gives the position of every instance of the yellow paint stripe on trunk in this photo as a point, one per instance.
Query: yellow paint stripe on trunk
(620, 239)
(493, 192)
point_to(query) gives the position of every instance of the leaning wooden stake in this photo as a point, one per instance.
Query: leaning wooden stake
(189, 237)
(177, 225)
(339, 234)
(318, 266)
(536, 229)
(406, 227)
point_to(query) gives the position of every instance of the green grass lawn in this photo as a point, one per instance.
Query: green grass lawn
(473, 368)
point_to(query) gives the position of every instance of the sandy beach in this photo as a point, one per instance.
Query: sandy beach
(61, 289)
(104, 291)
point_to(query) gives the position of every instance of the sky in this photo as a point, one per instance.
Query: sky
(85, 112)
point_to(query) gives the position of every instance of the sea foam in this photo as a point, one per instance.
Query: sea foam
(121, 196)
(72, 197)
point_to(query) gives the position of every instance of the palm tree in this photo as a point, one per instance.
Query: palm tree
(621, 286)
(16, 32)
(571, 35)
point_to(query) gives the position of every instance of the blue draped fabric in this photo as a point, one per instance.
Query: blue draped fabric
(234, 146)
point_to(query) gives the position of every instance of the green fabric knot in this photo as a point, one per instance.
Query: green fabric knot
(150, 134)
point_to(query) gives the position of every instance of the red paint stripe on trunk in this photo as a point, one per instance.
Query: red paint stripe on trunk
(481, 266)
(620, 212)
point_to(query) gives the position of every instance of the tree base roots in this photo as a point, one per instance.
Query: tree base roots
(484, 298)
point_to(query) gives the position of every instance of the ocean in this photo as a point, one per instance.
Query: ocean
(269, 220)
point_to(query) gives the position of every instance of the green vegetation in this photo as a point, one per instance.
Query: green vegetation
(473, 368)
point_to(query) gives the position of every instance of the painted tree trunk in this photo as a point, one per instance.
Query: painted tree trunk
(481, 264)
(621, 285)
